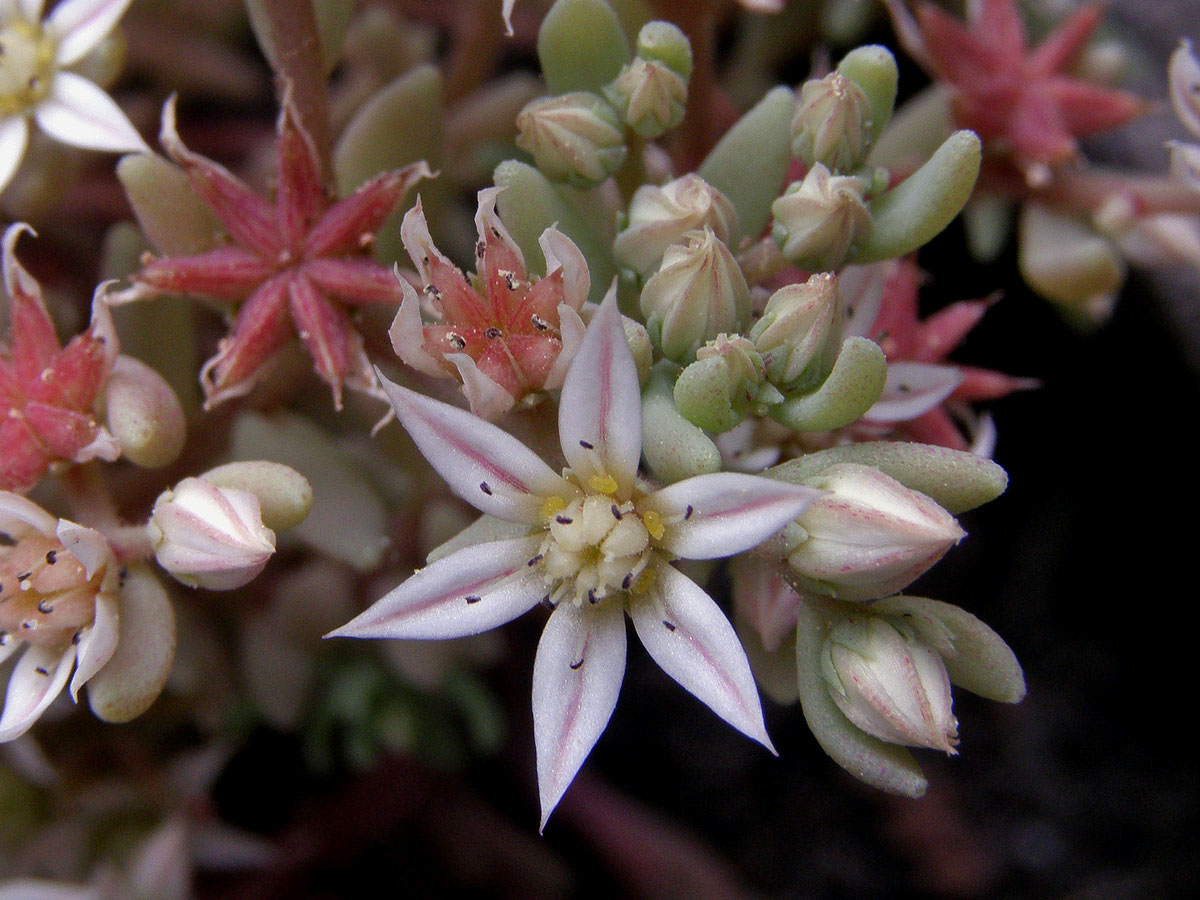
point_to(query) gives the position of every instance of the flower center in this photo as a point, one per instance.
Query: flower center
(26, 66)
(45, 596)
(596, 546)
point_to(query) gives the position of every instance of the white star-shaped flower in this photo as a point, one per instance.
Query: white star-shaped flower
(597, 543)
(35, 79)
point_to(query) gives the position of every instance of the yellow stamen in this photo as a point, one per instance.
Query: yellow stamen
(653, 523)
(551, 505)
(603, 484)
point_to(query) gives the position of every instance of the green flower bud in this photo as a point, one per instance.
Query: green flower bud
(831, 123)
(660, 216)
(663, 42)
(799, 333)
(722, 386)
(818, 219)
(574, 137)
(889, 683)
(649, 96)
(697, 293)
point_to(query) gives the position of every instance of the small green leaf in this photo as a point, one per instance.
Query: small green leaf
(672, 446)
(913, 212)
(581, 46)
(750, 162)
(852, 388)
(955, 479)
(873, 69)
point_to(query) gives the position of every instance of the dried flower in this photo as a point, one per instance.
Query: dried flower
(296, 267)
(506, 336)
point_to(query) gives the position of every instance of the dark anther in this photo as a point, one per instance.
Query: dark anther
(457, 341)
(577, 663)
(7, 540)
(76, 637)
(626, 581)
(44, 608)
(563, 520)
(493, 332)
(3, 638)
(42, 671)
(533, 561)
(904, 388)
(592, 596)
(483, 486)
(51, 556)
(586, 446)
(539, 323)
(432, 291)
(688, 513)
(616, 512)
(473, 598)
(480, 248)
(495, 231)
(546, 602)
(122, 576)
(670, 626)
(24, 575)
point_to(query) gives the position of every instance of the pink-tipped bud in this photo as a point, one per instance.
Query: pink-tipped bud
(889, 683)
(818, 219)
(209, 536)
(698, 293)
(575, 137)
(832, 123)
(869, 536)
(661, 216)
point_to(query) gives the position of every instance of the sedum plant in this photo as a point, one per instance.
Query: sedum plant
(475, 345)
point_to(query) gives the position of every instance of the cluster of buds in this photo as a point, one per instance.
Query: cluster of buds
(582, 136)
(660, 215)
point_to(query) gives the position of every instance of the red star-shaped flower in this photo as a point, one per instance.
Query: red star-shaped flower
(297, 266)
(47, 391)
(1017, 98)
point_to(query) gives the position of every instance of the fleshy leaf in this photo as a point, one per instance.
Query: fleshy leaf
(851, 389)
(571, 64)
(674, 448)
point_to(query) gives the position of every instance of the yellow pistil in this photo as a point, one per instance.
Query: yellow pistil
(26, 67)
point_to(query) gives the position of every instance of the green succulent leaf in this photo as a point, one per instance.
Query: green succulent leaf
(851, 389)
(581, 46)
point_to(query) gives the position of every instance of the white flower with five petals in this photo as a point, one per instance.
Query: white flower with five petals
(35, 79)
(596, 543)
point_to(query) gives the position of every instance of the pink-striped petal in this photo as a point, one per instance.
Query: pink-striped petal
(80, 25)
(912, 389)
(689, 637)
(600, 411)
(712, 516)
(487, 467)
(470, 591)
(38, 677)
(577, 676)
(79, 113)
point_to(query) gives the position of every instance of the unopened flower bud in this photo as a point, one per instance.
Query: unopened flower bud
(831, 123)
(649, 97)
(697, 293)
(799, 333)
(143, 413)
(721, 387)
(889, 683)
(660, 216)
(869, 536)
(284, 495)
(209, 536)
(575, 137)
(665, 43)
(818, 219)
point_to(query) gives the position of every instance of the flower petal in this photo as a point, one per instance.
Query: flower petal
(79, 113)
(97, 644)
(693, 642)
(711, 516)
(299, 194)
(913, 388)
(487, 399)
(18, 515)
(487, 467)
(37, 678)
(577, 676)
(473, 590)
(86, 544)
(14, 137)
(600, 412)
(562, 253)
(80, 25)
(349, 225)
